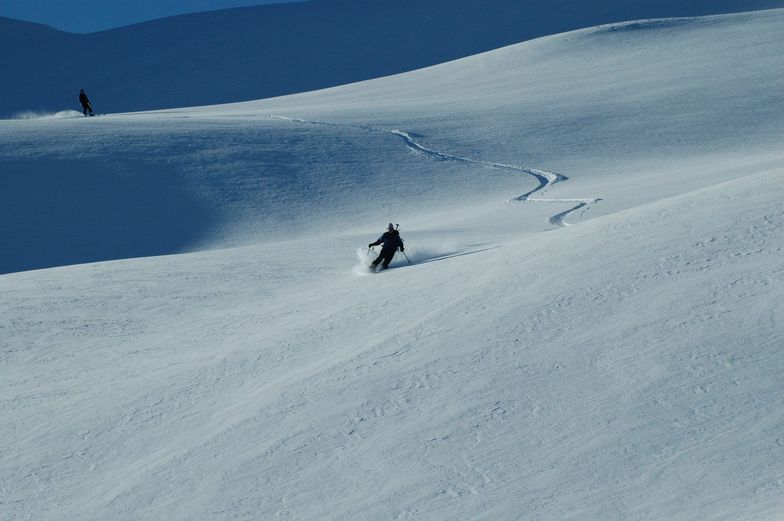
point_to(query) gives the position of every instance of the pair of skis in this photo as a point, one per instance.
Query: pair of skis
(404, 255)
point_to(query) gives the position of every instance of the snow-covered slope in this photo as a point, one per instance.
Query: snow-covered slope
(624, 367)
(272, 50)
(622, 111)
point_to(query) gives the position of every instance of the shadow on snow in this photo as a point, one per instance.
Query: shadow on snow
(89, 212)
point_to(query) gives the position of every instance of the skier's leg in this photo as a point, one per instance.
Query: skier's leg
(387, 259)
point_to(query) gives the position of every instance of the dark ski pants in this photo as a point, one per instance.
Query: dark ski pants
(87, 108)
(386, 257)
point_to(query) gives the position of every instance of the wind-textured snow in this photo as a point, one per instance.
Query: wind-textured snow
(591, 328)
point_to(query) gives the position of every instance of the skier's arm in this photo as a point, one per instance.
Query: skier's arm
(379, 241)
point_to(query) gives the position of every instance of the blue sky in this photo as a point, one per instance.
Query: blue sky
(84, 16)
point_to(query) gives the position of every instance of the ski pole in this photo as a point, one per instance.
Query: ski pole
(406, 256)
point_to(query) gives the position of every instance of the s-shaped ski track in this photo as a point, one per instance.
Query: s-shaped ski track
(545, 179)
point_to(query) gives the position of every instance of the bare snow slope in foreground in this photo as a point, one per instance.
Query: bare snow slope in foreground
(626, 367)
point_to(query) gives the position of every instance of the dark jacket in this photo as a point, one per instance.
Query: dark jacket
(83, 99)
(390, 241)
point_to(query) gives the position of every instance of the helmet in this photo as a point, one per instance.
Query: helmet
(391, 227)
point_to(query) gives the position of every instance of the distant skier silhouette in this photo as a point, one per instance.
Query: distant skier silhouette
(87, 107)
(390, 242)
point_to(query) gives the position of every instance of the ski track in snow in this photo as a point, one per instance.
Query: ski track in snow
(546, 179)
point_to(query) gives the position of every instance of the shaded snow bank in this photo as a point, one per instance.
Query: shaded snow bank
(273, 50)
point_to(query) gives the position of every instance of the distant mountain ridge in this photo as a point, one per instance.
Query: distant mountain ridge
(272, 50)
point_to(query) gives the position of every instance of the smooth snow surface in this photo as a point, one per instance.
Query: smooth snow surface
(272, 50)
(591, 327)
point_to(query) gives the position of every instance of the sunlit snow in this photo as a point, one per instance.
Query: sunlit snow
(590, 326)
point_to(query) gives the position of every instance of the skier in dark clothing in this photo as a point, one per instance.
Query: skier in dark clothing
(86, 105)
(390, 242)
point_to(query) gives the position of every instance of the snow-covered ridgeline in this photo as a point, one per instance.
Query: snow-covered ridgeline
(627, 367)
